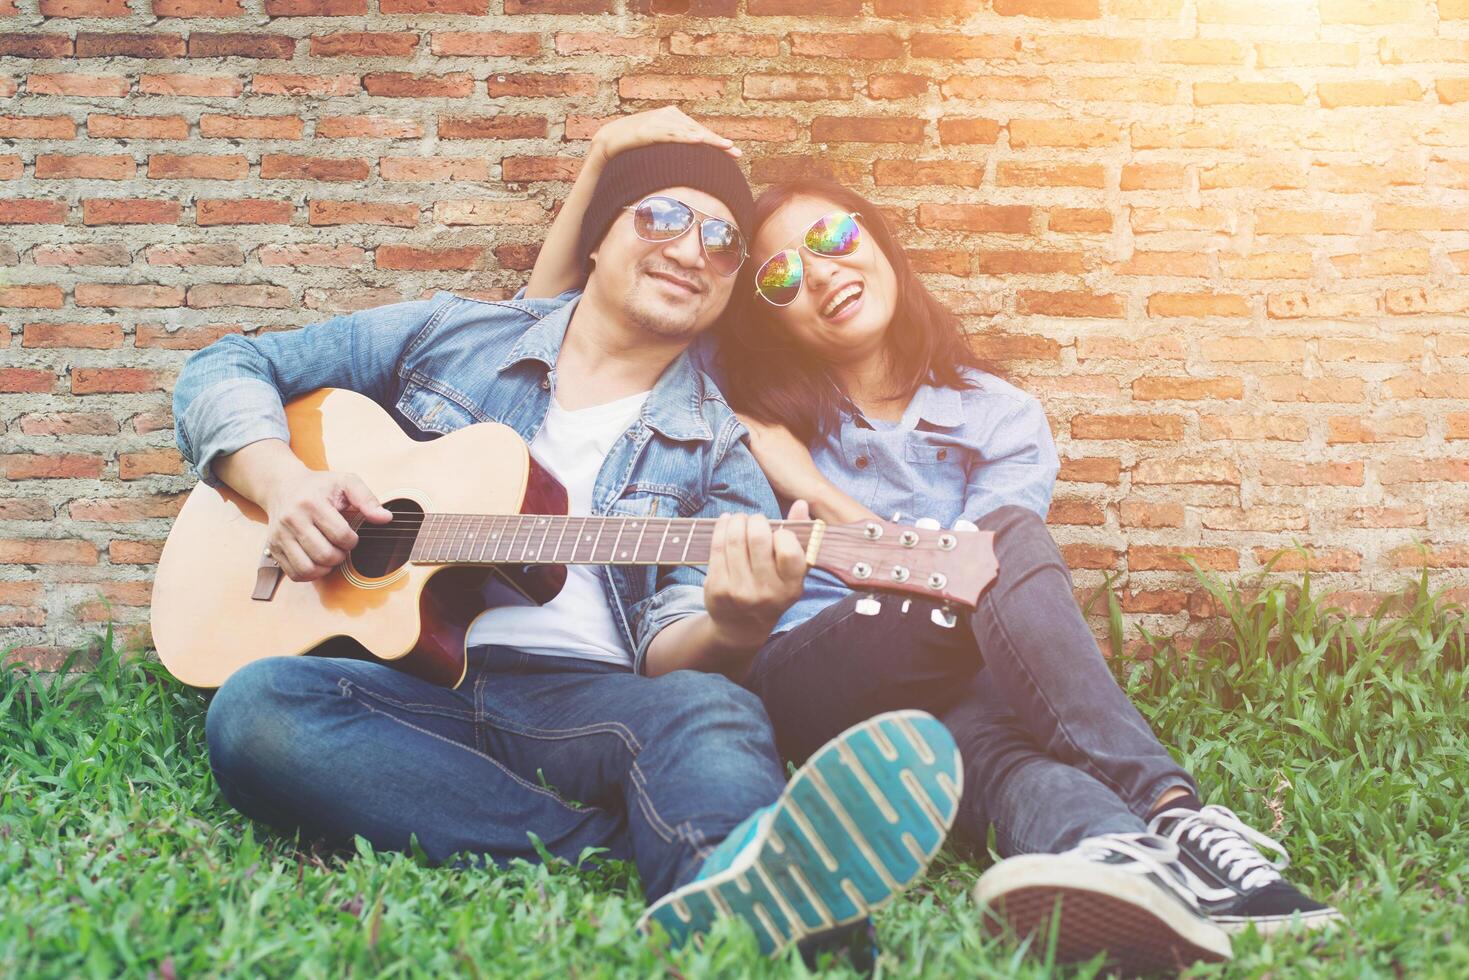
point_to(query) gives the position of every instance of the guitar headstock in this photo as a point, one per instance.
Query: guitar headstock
(938, 564)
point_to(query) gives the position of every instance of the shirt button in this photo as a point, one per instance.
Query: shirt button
(861, 462)
(545, 384)
(943, 454)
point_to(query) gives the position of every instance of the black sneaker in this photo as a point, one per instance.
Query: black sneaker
(1235, 884)
(1122, 894)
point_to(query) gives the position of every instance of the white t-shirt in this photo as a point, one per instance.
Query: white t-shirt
(578, 622)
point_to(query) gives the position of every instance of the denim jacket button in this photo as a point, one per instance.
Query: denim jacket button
(545, 384)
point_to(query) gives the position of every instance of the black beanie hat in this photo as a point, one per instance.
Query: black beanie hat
(634, 174)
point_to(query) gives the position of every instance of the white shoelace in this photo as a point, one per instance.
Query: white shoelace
(1229, 842)
(1149, 854)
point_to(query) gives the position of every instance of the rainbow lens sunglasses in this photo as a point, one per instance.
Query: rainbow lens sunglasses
(778, 280)
(662, 219)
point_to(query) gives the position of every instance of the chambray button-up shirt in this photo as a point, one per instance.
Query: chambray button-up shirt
(954, 455)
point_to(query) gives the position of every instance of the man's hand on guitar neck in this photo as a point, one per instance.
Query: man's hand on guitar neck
(309, 533)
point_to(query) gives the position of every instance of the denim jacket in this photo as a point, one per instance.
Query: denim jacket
(438, 364)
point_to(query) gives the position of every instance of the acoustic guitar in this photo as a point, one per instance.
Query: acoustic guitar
(477, 522)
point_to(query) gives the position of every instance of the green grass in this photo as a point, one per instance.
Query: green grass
(1349, 739)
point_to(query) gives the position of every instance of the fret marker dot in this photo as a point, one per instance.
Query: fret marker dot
(624, 554)
(675, 540)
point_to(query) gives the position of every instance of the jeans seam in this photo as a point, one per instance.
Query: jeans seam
(1084, 761)
(417, 707)
(629, 742)
(347, 691)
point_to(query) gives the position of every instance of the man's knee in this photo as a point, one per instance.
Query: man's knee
(253, 725)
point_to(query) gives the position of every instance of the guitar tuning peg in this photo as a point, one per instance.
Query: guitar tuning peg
(868, 606)
(944, 617)
(926, 523)
(965, 526)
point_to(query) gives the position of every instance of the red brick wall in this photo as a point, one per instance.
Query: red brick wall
(1225, 241)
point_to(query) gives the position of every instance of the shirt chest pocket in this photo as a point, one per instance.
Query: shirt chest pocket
(936, 480)
(653, 500)
(434, 412)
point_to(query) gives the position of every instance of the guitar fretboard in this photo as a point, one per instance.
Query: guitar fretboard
(537, 539)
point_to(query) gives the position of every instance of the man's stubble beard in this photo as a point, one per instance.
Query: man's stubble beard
(647, 314)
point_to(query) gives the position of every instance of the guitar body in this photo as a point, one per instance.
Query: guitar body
(206, 625)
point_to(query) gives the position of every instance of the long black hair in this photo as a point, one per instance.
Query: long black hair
(768, 375)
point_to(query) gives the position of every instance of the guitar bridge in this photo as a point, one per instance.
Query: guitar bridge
(267, 578)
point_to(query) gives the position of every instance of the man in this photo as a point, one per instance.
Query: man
(556, 731)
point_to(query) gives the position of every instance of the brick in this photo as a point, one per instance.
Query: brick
(69, 424)
(1198, 304)
(126, 45)
(1153, 177)
(396, 44)
(1164, 264)
(125, 211)
(474, 7)
(998, 262)
(1078, 133)
(1141, 427)
(1415, 556)
(1369, 93)
(23, 509)
(89, 335)
(519, 257)
(1079, 555)
(183, 338)
(866, 129)
(276, 166)
(120, 296)
(99, 254)
(1037, 302)
(746, 129)
(896, 86)
(488, 211)
(1384, 262)
(1456, 425)
(199, 8)
(1197, 469)
(1186, 389)
(35, 45)
(492, 127)
(1050, 9)
(1261, 517)
(78, 84)
(31, 297)
(952, 262)
(368, 127)
(542, 85)
(918, 173)
(1407, 469)
(254, 296)
(998, 87)
(37, 128)
(1268, 175)
(428, 259)
(198, 166)
(1393, 350)
(564, 6)
(33, 212)
(1369, 12)
(797, 87)
(15, 380)
(1349, 429)
(362, 213)
(118, 380)
(771, 170)
(1182, 219)
(405, 85)
(1282, 472)
(1300, 54)
(958, 47)
(149, 462)
(1127, 348)
(1315, 559)
(1417, 300)
(1407, 515)
(1145, 558)
(1285, 306)
(804, 8)
(614, 45)
(670, 87)
(1012, 173)
(47, 551)
(203, 44)
(137, 127)
(522, 170)
(968, 131)
(1159, 601)
(134, 552)
(472, 44)
(1081, 220)
(251, 127)
(222, 254)
(1234, 349)
(862, 47)
(433, 169)
(1148, 513)
(1090, 469)
(724, 45)
(1003, 347)
(1008, 218)
(1288, 388)
(321, 86)
(61, 466)
(1249, 428)
(1075, 510)
(315, 8)
(242, 212)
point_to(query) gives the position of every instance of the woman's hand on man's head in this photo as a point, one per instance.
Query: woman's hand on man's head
(666, 125)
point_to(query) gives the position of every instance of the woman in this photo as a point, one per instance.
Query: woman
(863, 399)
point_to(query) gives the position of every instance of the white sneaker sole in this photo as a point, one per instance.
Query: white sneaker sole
(1138, 925)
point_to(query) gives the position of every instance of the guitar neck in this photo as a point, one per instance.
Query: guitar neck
(537, 539)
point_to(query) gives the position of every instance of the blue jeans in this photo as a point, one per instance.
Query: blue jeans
(1053, 749)
(582, 754)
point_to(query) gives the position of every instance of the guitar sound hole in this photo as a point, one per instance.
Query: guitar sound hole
(384, 548)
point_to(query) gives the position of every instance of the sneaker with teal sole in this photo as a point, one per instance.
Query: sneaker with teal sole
(856, 825)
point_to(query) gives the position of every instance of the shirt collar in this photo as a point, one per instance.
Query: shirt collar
(940, 406)
(672, 408)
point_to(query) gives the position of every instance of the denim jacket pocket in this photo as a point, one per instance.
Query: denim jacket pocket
(433, 411)
(653, 500)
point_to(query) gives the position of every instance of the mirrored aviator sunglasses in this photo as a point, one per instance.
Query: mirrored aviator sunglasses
(778, 280)
(662, 219)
